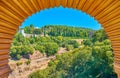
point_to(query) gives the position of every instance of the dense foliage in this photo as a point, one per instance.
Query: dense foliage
(47, 45)
(86, 62)
(67, 31)
(93, 60)
(58, 30)
(32, 30)
(20, 47)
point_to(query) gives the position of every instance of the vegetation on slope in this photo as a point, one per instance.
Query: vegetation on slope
(58, 30)
(48, 45)
(94, 60)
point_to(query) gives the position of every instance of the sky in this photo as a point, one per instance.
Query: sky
(62, 16)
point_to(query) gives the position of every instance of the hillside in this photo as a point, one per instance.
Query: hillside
(58, 30)
(77, 53)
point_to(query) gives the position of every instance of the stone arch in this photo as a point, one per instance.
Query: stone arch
(13, 13)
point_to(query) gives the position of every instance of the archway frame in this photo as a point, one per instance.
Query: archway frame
(13, 13)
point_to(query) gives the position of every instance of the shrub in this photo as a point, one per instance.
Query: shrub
(87, 42)
(28, 62)
(19, 63)
(18, 57)
(27, 50)
(40, 48)
(51, 48)
(69, 47)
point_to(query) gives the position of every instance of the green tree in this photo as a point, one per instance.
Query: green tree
(18, 56)
(40, 48)
(69, 47)
(37, 31)
(99, 35)
(51, 48)
(87, 42)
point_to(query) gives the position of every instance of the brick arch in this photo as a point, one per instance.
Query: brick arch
(13, 13)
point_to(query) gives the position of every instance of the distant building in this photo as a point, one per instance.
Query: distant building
(22, 31)
(27, 35)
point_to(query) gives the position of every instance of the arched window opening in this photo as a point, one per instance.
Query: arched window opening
(63, 43)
